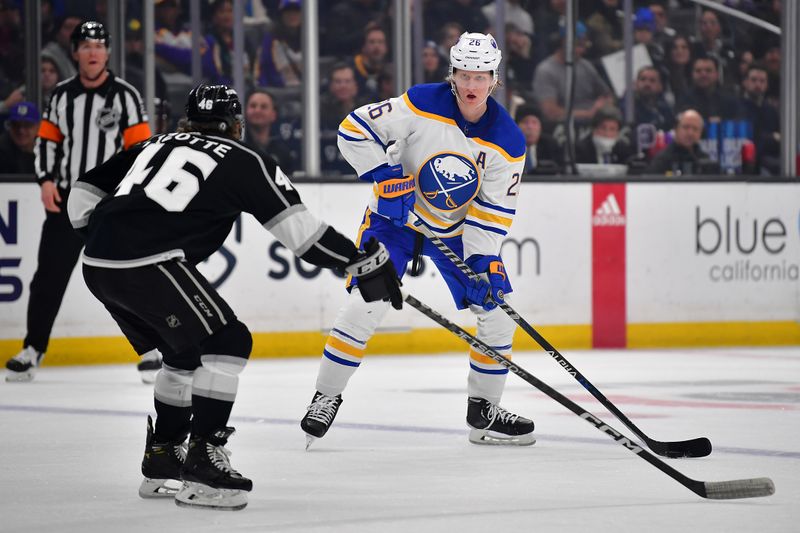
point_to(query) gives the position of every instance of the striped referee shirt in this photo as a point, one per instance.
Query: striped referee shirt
(82, 128)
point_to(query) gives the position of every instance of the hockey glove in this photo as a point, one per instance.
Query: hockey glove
(377, 278)
(493, 267)
(394, 191)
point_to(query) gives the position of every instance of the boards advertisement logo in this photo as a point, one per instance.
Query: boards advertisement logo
(751, 247)
(608, 213)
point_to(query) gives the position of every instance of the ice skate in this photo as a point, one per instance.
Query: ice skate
(149, 366)
(491, 424)
(22, 367)
(319, 416)
(209, 481)
(161, 466)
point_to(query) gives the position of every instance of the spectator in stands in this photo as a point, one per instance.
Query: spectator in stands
(448, 36)
(549, 84)
(219, 54)
(60, 50)
(370, 62)
(280, 57)
(49, 77)
(604, 145)
(519, 62)
(644, 27)
(763, 117)
(386, 88)
(706, 96)
(14, 97)
(216, 50)
(345, 22)
(11, 41)
(663, 33)
(605, 28)
(710, 43)
(772, 62)
(515, 14)
(542, 155)
(433, 68)
(134, 61)
(744, 59)
(678, 69)
(171, 36)
(684, 155)
(549, 18)
(260, 115)
(341, 97)
(465, 13)
(16, 143)
(650, 106)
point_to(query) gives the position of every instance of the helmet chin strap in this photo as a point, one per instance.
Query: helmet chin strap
(454, 90)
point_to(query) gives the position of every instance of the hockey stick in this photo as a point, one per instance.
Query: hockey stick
(699, 447)
(716, 490)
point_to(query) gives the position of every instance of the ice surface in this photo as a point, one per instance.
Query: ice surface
(398, 459)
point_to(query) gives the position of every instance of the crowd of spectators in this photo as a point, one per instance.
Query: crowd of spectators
(697, 66)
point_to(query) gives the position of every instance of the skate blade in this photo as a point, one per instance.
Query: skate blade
(19, 377)
(492, 438)
(199, 496)
(309, 441)
(159, 488)
(148, 376)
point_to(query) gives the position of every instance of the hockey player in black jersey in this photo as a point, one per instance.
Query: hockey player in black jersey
(149, 215)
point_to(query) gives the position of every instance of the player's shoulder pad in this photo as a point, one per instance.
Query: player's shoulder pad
(505, 133)
(267, 162)
(433, 98)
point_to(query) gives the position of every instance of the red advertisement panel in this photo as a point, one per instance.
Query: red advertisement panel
(608, 265)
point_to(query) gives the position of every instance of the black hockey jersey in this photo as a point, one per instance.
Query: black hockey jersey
(177, 196)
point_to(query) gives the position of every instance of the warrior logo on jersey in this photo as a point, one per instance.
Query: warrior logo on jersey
(448, 181)
(107, 118)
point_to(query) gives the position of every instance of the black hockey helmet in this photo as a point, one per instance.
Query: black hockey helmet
(90, 31)
(209, 104)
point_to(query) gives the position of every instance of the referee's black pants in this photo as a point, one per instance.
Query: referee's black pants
(59, 249)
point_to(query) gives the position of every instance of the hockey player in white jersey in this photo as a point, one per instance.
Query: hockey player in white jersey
(452, 155)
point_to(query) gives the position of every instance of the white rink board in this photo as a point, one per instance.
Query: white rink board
(693, 254)
(550, 270)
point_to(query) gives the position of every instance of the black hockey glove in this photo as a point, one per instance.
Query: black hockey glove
(377, 278)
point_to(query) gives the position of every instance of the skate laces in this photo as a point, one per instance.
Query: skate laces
(323, 408)
(495, 412)
(180, 451)
(28, 355)
(220, 457)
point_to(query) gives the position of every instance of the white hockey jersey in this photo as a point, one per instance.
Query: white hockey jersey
(467, 174)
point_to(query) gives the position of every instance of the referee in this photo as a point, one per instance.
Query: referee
(90, 117)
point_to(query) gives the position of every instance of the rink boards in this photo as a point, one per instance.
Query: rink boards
(592, 265)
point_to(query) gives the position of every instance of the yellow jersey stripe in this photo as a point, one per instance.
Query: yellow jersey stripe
(499, 149)
(349, 126)
(425, 114)
(497, 219)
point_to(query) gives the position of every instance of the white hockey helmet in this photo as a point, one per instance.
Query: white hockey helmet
(475, 52)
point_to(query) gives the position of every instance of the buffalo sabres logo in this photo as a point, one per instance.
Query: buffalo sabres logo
(107, 118)
(448, 181)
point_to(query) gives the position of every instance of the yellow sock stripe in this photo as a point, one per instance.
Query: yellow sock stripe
(483, 359)
(344, 347)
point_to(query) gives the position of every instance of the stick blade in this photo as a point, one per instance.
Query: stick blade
(739, 488)
(700, 447)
